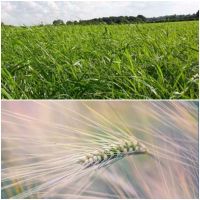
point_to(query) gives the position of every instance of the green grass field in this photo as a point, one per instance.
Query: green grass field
(144, 61)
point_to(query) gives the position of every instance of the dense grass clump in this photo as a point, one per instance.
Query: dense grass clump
(156, 61)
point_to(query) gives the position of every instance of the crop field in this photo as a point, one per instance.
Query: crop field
(137, 61)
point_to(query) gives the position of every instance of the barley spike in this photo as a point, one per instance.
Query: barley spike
(113, 151)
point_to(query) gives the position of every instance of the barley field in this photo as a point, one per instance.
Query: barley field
(136, 61)
(99, 149)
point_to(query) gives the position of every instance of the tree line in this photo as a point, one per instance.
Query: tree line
(131, 19)
(127, 20)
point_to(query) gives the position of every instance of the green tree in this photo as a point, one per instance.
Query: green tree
(58, 22)
(141, 17)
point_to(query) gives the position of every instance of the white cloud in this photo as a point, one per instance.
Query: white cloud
(35, 12)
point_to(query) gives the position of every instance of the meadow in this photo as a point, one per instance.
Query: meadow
(136, 61)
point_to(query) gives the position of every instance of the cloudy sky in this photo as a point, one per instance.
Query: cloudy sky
(35, 12)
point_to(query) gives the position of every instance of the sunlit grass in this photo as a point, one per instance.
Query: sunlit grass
(156, 61)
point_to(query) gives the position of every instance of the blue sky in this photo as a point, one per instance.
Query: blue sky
(35, 12)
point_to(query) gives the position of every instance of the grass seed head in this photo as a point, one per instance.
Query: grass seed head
(113, 151)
